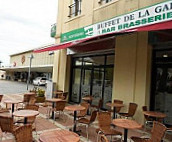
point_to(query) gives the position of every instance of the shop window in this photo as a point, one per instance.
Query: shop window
(75, 8)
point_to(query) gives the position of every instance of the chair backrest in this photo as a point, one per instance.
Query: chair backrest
(118, 102)
(103, 138)
(32, 100)
(6, 124)
(32, 107)
(84, 112)
(104, 119)
(158, 131)
(1, 96)
(26, 98)
(132, 109)
(23, 134)
(93, 116)
(65, 95)
(100, 104)
(60, 105)
(144, 108)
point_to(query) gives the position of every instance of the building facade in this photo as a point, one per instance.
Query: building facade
(41, 66)
(115, 49)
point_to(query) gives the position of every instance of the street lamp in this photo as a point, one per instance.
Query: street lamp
(28, 79)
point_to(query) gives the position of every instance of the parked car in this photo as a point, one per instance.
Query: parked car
(39, 81)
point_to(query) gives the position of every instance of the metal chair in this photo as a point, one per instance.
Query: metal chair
(88, 122)
(157, 133)
(104, 122)
(99, 106)
(60, 105)
(131, 111)
(103, 138)
(23, 134)
(7, 124)
(149, 120)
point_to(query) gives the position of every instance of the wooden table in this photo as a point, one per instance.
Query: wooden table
(12, 102)
(25, 114)
(155, 114)
(59, 136)
(114, 105)
(74, 108)
(126, 124)
(53, 101)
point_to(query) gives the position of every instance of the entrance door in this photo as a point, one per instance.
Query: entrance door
(162, 85)
(92, 75)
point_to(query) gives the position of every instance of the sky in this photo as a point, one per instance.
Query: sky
(25, 24)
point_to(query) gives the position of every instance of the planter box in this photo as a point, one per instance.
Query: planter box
(40, 99)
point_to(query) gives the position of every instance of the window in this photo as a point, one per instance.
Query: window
(104, 1)
(75, 8)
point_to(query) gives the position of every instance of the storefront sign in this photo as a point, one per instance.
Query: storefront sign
(158, 13)
(23, 59)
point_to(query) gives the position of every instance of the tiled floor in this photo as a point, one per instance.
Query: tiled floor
(65, 121)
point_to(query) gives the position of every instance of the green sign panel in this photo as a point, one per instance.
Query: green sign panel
(158, 13)
(53, 30)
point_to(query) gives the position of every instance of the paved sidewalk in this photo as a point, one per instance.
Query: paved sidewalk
(63, 122)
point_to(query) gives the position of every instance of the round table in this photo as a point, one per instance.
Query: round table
(13, 102)
(155, 114)
(53, 101)
(59, 136)
(114, 105)
(74, 108)
(25, 114)
(126, 124)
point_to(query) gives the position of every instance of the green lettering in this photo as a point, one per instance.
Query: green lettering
(150, 19)
(169, 15)
(108, 30)
(158, 17)
(112, 28)
(144, 21)
(103, 31)
(131, 24)
(125, 25)
(120, 27)
(137, 22)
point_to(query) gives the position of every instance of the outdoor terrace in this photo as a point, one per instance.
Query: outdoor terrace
(65, 122)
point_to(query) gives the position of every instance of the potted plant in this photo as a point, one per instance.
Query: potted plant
(40, 95)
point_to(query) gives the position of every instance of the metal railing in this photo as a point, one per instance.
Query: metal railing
(75, 8)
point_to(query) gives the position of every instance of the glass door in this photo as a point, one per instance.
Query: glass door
(86, 82)
(97, 89)
(92, 75)
(163, 92)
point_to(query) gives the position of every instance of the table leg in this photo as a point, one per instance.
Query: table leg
(52, 116)
(74, 127)
(12, 109)
(114, 112)
(125, 135)
(25, 120)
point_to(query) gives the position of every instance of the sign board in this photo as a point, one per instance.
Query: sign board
(158, 13)
(49, 90)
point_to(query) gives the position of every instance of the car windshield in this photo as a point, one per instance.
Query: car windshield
(43, 79)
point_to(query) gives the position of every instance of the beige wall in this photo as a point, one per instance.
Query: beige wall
(39, 59)
(132, 70)
(132, 60)
(93, 12)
